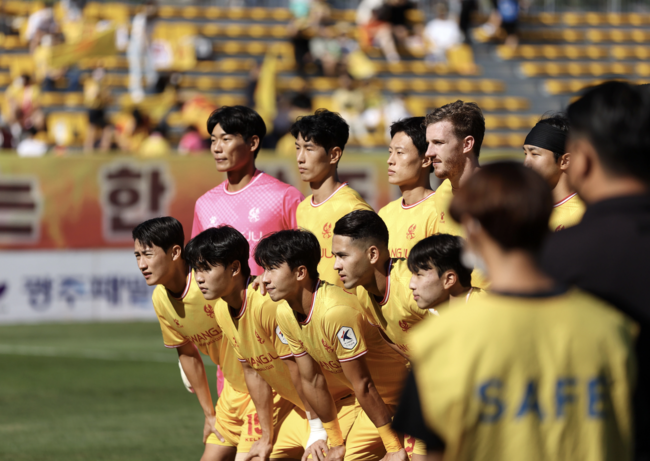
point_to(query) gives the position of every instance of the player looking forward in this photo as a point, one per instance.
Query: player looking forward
(336, 349)
(544, 149)
(411, 217)
(320, 140)
(188, 324)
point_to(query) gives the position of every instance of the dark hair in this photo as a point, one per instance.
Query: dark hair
(414, 128)
(162, 232)
(238, 120)
(294, 247)
(466, 118)
(615, 119)
(218, 245)
(325, 128)
(556, 120)
(511, 202)
(362, 225)
(442, 252)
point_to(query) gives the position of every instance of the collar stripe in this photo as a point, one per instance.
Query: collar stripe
(333, 193)
(387, 294)
(313, 302)
(562, 202)
(244, 302)
(256, 176)
(188, 283)
(408, 207)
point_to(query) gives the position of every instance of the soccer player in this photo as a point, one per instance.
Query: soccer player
(454, 134)
(336, 349)
(544, 149)
(411, 217)
(220, 258)
(532, 370)
(188, 325)
(364, 264)
(249, 200)
(439, 275)
(320, 140)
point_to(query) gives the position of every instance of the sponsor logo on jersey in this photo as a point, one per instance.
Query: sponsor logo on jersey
(327, 347)
(410, 234)
(234, 342)
(209, 310)
(206, 337)
(327, 230)
(559, 228)
(283, 340)
(213, 220)
(259, 338)
(254, 215)
(178, 324)
(347, 338)
(404, 325)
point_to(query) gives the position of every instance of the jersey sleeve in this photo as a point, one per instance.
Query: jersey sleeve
(268, 319)
(362, 205)
(292, 199)
(171, 337)
(289, 330)
(196, 223)
(344, 327)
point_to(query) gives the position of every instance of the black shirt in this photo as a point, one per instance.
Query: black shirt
(608, 254)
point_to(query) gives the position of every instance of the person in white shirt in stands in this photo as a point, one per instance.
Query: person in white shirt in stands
(441, 34)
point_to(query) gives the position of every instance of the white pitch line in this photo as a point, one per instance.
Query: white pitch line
(48, 351)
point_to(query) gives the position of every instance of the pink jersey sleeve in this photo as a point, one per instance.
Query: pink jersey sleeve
(196, 223)
(292, 199)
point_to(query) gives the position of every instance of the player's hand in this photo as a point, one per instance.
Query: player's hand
(209, 428)
(397, 456)
(318, 450)
(336, 453)
(261, 449)
(258, 284)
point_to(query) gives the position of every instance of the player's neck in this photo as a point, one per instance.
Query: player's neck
(414, 193)
(378, 283)
(471, 166)
(458, 291)
(177, 279)
(302, 300)
(516, 271)
(238, 179)
(562, 190)
(323, 189)
(235, 299)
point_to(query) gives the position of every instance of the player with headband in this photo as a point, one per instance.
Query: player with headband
(546, 154)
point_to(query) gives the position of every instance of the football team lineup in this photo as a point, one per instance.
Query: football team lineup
(326, 329)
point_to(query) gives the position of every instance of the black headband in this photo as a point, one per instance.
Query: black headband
(547, 137)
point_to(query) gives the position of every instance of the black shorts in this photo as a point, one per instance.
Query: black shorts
(97, 117)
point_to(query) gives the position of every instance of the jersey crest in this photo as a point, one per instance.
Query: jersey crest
(559, 228)
(234, 342)
(327, 347)
(404, 325)
(347, 338)
(442, 217)
(209, 310)
(254, 215)
(278, 332)
(259, 338)
(410, 234)
(327, 230)
(178, 324)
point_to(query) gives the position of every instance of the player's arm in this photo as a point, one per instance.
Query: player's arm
(391, 343)
(192, 364)
(262, 396)
(356, 371)
(313, 385)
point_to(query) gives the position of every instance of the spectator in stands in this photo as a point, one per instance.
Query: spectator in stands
(30, 146)
(191, 142)
(349, 102)
(467, 9)
(326, 51)
(156, 144)
(441, 34)
(131, 130)
(97, 99)
(40, 22)
(507, 12)
(22, 109)
(398, 17)
(139, 51)
(52, 78)
(377, 32)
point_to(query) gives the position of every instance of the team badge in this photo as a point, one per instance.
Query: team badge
(259, 338)
(559, 228)
(404, 325)
(254, 215)
(442, 217)
(327, 230)
(410, 234)
(347, 338)
(209, 310)
(278, 332)
(327, 347)
(234, 342)
(178, 324)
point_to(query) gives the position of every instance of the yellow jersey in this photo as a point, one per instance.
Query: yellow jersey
(191, 319)
(534, 378)
(407, 225)
(255, 337)
(320, 218)
(336, 331)
(567, 213)
(397, 312)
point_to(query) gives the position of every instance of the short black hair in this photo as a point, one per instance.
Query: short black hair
(164, 232)
(615, 118)
(294, 247)
(325, 128)
(362, 225)
(557, 120)
(238, 120)
(415, 129)
(442, 252)
(218, 245)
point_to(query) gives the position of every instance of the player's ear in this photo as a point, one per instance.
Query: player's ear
(176, 252)
(468, 144)
(254, 142)
(301, 273)
(235, 267)
(426, 161)
(373, 254)
(335, 155)
(449, 279)
(565, 161)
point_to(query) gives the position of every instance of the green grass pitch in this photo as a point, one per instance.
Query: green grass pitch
(107, 391)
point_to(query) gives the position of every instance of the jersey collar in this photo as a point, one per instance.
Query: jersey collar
(313, 302)
(258, 174)
(333, 193)
(563, 201)
(408, 207)
(387, 294)
(244, 303)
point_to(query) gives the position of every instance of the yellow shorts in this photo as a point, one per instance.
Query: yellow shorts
(365, 444)
(234, 410)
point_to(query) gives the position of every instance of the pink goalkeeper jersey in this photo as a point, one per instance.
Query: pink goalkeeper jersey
(265, 205)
